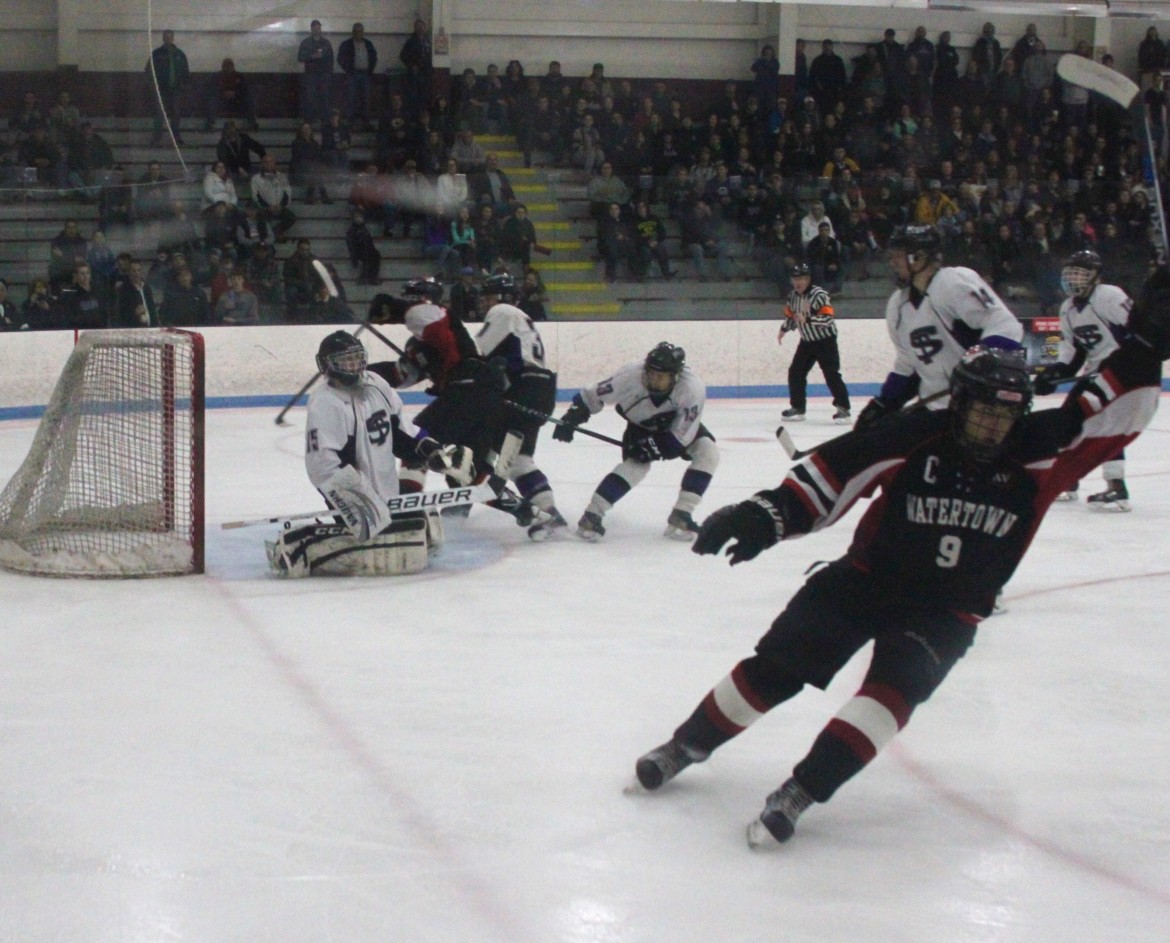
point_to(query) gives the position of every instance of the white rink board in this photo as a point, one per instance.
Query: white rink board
(243, 361)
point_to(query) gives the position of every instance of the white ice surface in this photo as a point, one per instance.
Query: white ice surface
(441, 758)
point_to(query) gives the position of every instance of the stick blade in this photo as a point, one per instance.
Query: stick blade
(326, 278)
(786, 442)
(1097, 78)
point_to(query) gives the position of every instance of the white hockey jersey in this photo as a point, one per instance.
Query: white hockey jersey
(679, 413)
(957, 311)
(356, 426)
(1095, 326)
(509, 333)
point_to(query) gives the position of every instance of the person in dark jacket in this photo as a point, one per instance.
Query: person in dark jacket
(358, 60)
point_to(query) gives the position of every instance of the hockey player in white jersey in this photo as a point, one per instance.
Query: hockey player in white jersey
(354, 432)
(933, 317)
(1092, 324)
(661, 399)
(510, 342)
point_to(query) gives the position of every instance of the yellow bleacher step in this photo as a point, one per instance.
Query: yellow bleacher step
(583, 266)
(574, 286)
(607, 307)
(530, 187)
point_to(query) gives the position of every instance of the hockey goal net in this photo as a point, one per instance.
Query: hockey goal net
(113, 483)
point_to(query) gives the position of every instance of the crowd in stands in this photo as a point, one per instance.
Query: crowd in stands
(1016, 168)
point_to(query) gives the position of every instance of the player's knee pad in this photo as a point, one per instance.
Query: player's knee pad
(331, 550)
(632, 472)
(704, 455)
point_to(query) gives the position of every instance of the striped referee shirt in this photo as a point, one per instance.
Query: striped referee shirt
(817, 309)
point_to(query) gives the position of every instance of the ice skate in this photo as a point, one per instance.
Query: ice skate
(680, 526)
(1113, 498)
(544, 529)
(777, 822)
(793, 414)
(842, 416)
(590, 527)
(1070, 495)
(663, 763)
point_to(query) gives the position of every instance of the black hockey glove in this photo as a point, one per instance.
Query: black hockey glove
(454, 461)
(874, 410)
(644, 450)
(576, 415)
(754, 525)
(1046, 381)
(1149, 322)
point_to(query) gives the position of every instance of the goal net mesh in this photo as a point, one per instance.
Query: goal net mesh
(112, 485)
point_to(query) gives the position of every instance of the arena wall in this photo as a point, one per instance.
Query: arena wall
(258, 365)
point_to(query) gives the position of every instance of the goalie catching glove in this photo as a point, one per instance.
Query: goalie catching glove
(454, 461)
(576, 415)
(754, 525)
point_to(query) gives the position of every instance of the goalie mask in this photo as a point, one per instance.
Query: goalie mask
(1081, 272)
(662, 366)
(990, 392)
(342, 357)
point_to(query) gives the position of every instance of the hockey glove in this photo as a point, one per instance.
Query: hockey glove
(576, 415)
(754, 525)
(874, 410)
(1045, 382)
(454, 461)
(1149, 322)
(644, 450)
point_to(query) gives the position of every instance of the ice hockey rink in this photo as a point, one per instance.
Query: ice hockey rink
(441, 758)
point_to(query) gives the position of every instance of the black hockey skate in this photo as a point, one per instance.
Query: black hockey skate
(543, 529)
(777, 822)
(841, 416)
(590, 527)
(680, 526)
(1113, 498)
(663, 763)
(793, 414)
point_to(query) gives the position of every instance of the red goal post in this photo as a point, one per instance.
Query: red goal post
(113, 483)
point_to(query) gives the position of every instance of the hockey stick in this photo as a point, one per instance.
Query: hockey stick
(1117, 88)
(401, 504)
(537, 414)
(796, 454)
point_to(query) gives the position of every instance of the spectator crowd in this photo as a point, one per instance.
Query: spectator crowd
(1016, 168)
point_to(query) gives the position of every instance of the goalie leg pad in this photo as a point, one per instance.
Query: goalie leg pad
(331, 550)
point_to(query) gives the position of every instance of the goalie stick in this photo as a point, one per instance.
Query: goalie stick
(1117, 88)
(421, 500)
(400, 504)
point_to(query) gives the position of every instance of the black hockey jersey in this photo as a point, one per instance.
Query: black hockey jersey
(944, 531)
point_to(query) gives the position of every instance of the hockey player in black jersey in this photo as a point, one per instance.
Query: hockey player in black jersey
(958, 496)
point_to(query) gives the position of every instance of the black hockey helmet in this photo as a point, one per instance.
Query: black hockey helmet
(342, 357)
(1080, 273)
(919, 242)
(429, 288)
(503, 285)
(992, 377)
(800, 270)
(664, 358)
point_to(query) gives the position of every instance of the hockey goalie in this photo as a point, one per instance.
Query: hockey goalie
(354, 434)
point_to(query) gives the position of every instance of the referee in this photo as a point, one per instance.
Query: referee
(810, 312)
